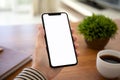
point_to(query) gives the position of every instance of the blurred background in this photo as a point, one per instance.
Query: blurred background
(28, 11)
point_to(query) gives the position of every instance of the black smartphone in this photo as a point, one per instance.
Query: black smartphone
(59, 40)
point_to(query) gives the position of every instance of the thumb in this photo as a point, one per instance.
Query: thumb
(40, 41)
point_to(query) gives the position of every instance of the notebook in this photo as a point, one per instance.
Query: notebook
(11, 60)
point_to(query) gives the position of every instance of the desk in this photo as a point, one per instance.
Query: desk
(22, 38)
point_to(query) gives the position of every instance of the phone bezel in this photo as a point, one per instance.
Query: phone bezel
(53, 14)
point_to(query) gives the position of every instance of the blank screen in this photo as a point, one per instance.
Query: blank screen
(59, 40)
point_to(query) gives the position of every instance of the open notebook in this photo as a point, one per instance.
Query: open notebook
(11, 60)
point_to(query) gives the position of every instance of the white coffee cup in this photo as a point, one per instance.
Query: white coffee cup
(107, 69)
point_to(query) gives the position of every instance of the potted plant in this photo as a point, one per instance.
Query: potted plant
(97, 30)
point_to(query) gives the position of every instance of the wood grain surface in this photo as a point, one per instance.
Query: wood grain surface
(22, 38)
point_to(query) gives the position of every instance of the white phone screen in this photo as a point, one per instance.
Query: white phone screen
(59, 40)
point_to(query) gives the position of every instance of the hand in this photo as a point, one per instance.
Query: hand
(40, 57)
(75, 38)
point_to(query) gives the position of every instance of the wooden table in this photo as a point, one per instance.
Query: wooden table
(22, 38)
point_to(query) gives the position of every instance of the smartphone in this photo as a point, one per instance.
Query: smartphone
(59, 40)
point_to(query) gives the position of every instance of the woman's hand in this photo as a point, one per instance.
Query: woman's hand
(40, 57)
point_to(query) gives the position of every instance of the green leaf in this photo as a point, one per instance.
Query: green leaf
(97, 26)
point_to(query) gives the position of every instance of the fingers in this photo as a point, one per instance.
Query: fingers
(74, 35)
(72, 30)
(41, 31)
(75, 38)
(40, 41)
(77, 48)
